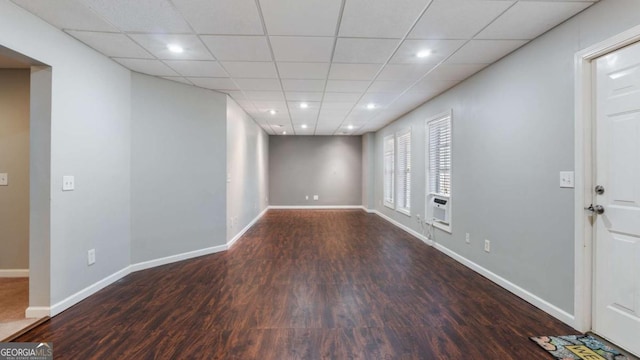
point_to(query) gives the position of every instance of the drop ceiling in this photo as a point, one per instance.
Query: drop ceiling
(354, 63)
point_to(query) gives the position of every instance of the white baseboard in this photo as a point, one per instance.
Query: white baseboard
(529, 297)
(14, 273)
(175, 258)
(94, 288)
(403, 227)
(37, 312)
(88, 291)
(246, 228)
(311, 207)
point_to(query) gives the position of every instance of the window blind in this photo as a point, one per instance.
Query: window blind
(388, 179)
(404, 171)
(439, 140)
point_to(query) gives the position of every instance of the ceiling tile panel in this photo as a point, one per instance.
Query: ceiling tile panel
(67, 14)
(457, 19)
(112, 44)
(258, 84)
(297, 70)
(301, 18)
(428, 89)
(379, 100)
(303, 85)
(384, 86)
(404, 71)
(354, 71)
(264, 95)
(302, 49)
(146, 66)
(245, 69)
(454, 72)
(438, 51)
(238, 48)
(484, 51)
(303, 96)
(354, 86)
(150, 16)
(333, 115)
(197, 68)
(331, 105)
(365, 51)
(529, 19)
(380, 18)
(214, 83)
(279, 106)
(157, 44)
(342, 96)
(222, 17)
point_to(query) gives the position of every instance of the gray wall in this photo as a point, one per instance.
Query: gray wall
(178, 162)
(247, 169)
(14, 160)
(368, 166)
(90, 121)
(327, 166)
(513, 134)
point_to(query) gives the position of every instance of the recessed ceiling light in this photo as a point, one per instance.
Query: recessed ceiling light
(304, 126)
(284, 133)
(174, 48)
(272, 112)
(371, 106)
(304, 105)
(423, 53)
(350, 127)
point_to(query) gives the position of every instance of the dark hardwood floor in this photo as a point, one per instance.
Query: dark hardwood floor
(305, 285)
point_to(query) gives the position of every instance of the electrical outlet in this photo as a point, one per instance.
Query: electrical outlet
(68, 183)
(315, 197)
(418, 218)
(467, 238)
(306, 197)
(487, 245)
(91, 257)
(4, 179)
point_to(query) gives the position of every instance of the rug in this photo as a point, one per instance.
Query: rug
(579, 347)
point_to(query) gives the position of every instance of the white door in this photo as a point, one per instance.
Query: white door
(617, 230)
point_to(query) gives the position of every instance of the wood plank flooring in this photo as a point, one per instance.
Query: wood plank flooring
(305, 285)
(14, 298)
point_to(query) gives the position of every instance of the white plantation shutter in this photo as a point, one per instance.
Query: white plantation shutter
(404, 171)
(439, 155)
(388, 179)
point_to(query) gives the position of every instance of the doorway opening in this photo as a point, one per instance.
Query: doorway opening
(21, 275)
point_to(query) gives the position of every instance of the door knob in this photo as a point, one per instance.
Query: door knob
(595, 209)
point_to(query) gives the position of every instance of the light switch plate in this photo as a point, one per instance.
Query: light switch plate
(68, 183)
(315, 197)
(4, 179)
(566, 179)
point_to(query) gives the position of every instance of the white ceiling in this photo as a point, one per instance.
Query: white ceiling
(337, 56)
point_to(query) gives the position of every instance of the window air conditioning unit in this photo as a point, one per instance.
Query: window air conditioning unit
(440, 206)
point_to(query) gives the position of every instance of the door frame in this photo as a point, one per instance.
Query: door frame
(584, 161)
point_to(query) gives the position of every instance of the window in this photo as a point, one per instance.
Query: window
(404, 172)
(388, 179)
(439, 155)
